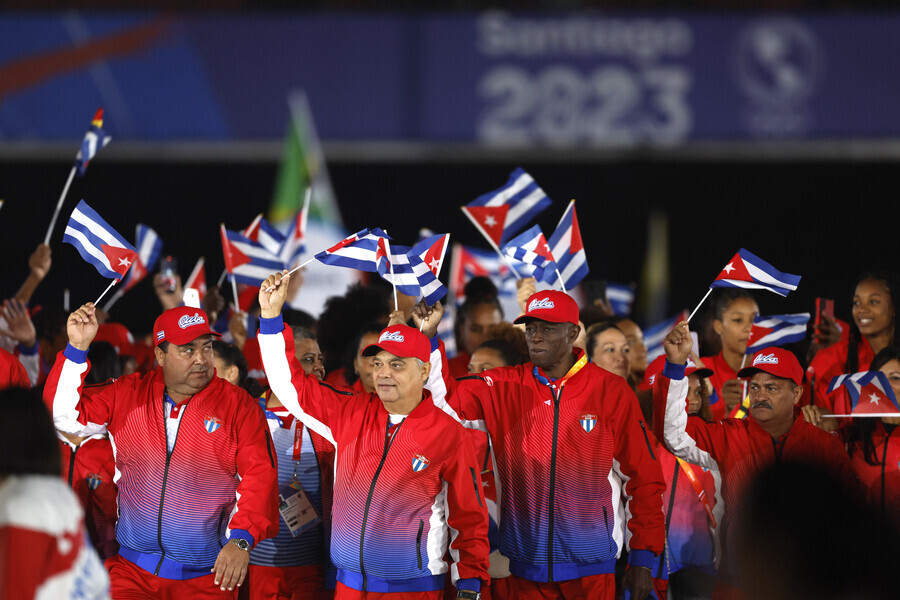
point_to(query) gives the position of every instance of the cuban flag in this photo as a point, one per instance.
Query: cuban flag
(468, 262)
(247, 261)
(212, 424)
(419, 463)
(777, 330)
(588, 422)
(498, 215)
(294, 244)
(98, 243)
(656, 334)
(197, 279)
(620, 297)
(431, 249)
(746, 270)
(870, 394)
(357, 251)
(149, 247)
(93, 480)
(265, 234)
(531, 249)
(412, 276)
(94, 139)
(568, 250)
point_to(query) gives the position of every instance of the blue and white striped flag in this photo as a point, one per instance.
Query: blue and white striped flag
(247, 261)
(98, 243)
(501, 213)
(567, 249)
(357, 251)
(149, 247)
(776, 330)
(656, 334)
(530, 248)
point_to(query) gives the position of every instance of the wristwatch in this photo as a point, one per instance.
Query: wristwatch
(468, 594)
(240, 543)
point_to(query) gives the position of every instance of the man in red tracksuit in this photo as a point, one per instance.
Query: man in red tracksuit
(574, 463)
(738, 448)
(194, 465)
(406, 477)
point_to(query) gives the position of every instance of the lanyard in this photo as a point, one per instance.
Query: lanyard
(559, 383)
(698, 487)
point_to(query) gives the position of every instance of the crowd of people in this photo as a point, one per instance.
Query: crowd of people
(264, 452)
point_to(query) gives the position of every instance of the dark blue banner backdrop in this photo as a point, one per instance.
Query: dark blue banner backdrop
(508, 79)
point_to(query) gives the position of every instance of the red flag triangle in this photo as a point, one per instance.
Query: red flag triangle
(735, 270)
(576, 244)
(491, 219)
(233, 256)
(120, 259)
(757, 333)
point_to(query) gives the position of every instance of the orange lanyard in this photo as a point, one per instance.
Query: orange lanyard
(698, 487)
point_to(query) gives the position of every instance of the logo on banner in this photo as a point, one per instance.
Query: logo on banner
(588, 422)
(419, 462)
(212, 424)
(93, 480)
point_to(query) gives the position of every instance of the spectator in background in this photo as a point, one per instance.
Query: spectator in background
(232, 367)
(358, 368)
(873, 328)
(634, 335)
(735, 310)
(478, 312)
(505, 346)
(43, 544)
(16, 327)
(609, 350)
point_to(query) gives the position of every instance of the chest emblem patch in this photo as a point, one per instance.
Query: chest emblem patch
(212, 424)
(588, 422)
(93, 480)
(419, 463)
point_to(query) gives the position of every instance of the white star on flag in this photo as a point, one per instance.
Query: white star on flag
(873, 398)
(433, 265)
(124, 262)
(728, 269)
(490, 221)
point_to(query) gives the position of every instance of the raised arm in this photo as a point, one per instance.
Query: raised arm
(74, 412)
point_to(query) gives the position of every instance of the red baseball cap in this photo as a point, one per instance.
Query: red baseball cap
(775, 361)
(181, 325)
(403, 341)
(118, 336)
(552, 306)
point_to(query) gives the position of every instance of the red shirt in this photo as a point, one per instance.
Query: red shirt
(12, 373)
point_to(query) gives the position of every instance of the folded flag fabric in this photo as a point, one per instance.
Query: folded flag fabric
(870, 394)
(148, 247)
(412, 276)
(431, 248)
(265, 234)
(247, 261)
(498, 215)
(776, 330)
(357, 251)
(746, 270)
(531, 249)
(98, 243)
(468, 262)
(620, 297)
(94, 139)
(655, 334)
(568, 250)
(294, 244)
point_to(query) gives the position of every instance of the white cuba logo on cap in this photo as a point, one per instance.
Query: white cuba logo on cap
(391, 336)
(539, 304)
(188, 321)
(765, 359)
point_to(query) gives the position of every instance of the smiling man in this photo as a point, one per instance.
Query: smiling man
(194, 465)
(406, 477)
(740, 449)
(573, 460)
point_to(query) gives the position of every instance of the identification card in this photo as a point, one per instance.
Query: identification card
(296, 510)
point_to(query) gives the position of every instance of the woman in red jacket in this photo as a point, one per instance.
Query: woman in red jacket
(873, 328)
(874, 446)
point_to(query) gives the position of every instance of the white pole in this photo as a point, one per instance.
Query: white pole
(109, 287)
(59, 206)
(561, 284)
(708, 292)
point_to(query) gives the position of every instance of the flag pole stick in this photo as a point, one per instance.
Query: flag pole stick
(561, 284)
(297, 268)
(493, 245)
(865, 415)
(59, 205)
(115, 297)
(222, 277)
(387, 247)
(237, 305)
(708, 292)
(109, 287)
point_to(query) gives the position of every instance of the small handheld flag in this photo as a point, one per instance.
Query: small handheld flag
(148, 247)
(656, 334)
(530, 248)
(247, 261)
(776, 330)
(498, 215)
(431, 248)
(748, 271)
(99, 244)
(620, 297)
(94, 139)
(870, 393)
(357, 251)
(567, 248)
(294, 244)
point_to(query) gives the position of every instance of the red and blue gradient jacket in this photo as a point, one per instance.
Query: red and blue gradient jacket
(738, 449)
(574, 464)
(176, 509)
(400, 492)
(89, 469)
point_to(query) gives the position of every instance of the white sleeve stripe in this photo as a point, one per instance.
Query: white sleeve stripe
(675, 433)
(272, 349)
(65, 401)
